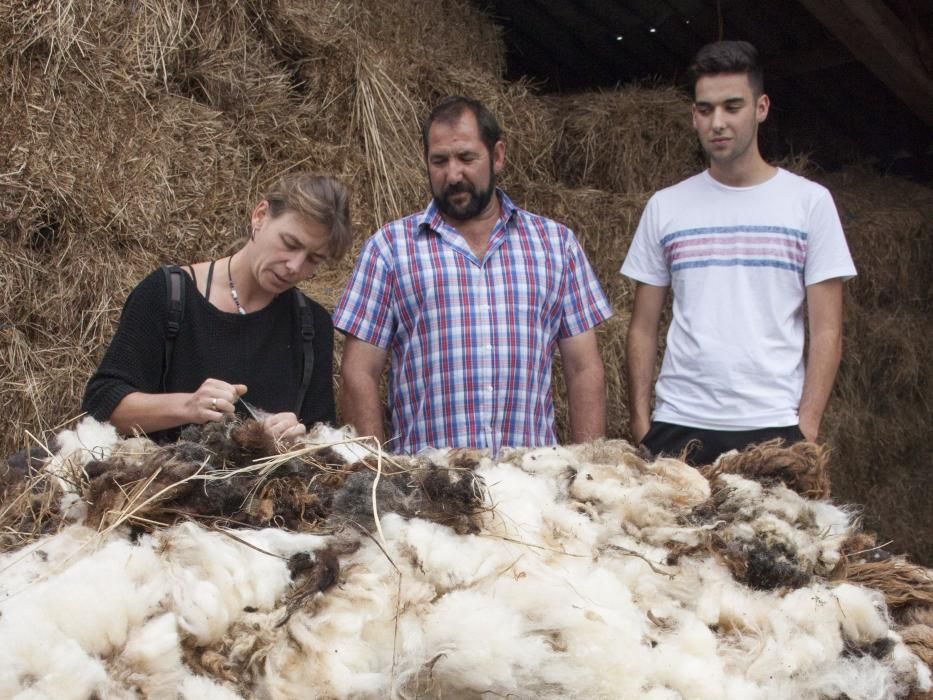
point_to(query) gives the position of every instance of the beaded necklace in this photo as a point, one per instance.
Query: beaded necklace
(236, 297)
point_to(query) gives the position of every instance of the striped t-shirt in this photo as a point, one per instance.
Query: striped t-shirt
(738, 261)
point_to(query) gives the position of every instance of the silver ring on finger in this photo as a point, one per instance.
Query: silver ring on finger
(214, 404)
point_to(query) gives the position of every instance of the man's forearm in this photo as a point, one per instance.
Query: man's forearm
(822, 364)
(360, 405)
(641, 352)
(586, 399)
(824, 315)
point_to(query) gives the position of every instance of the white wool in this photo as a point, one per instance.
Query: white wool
(861, 613)
(88, 440)
(554, 462)
(732, 608)
(835, 525)
(856, 678)
(607, 485)
(96, 601)
(698, 671)
(343, 441)
(39, 664)
(906, 667)
(478, 643)
(151, 659)
(517, 497)
(641, 497)
(580, 613)
(691, 488)
(783, 503)
(660, 693)
(742, 490)
(831, 520)
(447, 560)
(44, 557)
(200, 688)
(801, 637)
(345, 647)
(215, 576)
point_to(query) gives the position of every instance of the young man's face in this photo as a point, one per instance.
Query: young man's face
(726, 115)
(462, 171)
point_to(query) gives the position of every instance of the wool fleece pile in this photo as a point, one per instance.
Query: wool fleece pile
(218, 568)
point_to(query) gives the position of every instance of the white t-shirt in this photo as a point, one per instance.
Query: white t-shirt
(739, 260)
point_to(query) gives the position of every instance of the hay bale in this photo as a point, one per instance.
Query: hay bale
(629, 140)
(890, 232)
(878, 421)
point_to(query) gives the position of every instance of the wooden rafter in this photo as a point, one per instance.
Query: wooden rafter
(879, 40)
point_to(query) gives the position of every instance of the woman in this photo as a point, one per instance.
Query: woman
(243, 330)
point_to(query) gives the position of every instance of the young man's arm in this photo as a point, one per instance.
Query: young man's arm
(641, 350)
(586, 386)
(360, 372)
(824, 315)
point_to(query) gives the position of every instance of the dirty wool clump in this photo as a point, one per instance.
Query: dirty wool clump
(233, 474)
(452, 575)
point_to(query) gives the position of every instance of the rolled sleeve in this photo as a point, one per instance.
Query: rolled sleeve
(365, 308)
(584, 303)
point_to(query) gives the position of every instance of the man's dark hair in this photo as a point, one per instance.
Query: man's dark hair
(728, 57)
(449, 111)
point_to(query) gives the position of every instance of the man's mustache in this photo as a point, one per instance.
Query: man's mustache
(459, 187)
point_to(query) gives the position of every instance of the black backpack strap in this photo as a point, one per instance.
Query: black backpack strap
(175, 312)
(307, 348)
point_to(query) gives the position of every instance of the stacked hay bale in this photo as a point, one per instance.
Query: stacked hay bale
(135, 134)
(881, 414)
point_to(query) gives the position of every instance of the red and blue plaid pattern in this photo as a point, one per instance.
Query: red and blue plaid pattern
(471, 341)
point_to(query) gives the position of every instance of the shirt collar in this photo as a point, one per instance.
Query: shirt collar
(431, 219)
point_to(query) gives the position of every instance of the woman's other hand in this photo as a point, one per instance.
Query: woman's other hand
(284, 427)
(212, 400)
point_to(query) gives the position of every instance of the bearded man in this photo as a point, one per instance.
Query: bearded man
(471, 296)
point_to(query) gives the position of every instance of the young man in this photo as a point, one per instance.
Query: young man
(471, 295)
(745, 247)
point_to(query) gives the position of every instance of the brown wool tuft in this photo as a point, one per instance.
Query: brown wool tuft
(902, 582)
(802, 467)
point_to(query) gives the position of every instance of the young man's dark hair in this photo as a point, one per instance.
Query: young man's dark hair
(728, 57)
(449, 110)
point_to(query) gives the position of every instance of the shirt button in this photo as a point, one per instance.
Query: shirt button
(489, 389)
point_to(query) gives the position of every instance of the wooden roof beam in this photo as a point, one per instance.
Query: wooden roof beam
(880, 41)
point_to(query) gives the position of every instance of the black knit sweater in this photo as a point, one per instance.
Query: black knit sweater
(262, 350)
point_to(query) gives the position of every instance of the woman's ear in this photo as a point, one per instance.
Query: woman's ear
(260, 214)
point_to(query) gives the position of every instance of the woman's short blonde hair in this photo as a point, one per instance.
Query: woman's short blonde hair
(319, 198)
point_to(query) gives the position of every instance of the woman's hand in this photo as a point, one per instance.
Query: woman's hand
(212, 400)
(284, 427)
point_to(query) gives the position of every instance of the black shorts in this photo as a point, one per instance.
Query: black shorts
(704, 446)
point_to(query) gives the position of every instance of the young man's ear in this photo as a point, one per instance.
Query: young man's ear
(762, 106)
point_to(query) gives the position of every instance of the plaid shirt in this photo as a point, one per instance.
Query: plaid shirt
(471, 340)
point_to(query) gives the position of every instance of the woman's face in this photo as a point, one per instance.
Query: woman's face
(285, 249)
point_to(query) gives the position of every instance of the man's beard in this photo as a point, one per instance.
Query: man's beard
(477, 202)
